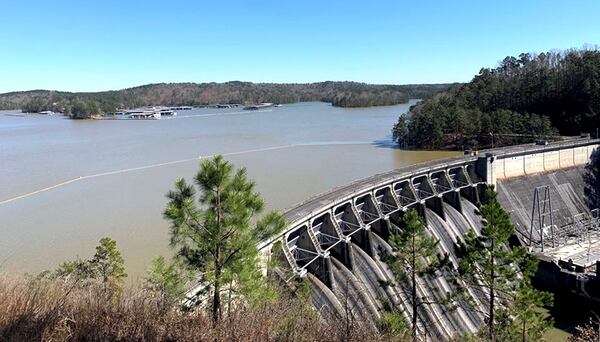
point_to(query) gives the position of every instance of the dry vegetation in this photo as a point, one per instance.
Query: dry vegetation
(43, 310)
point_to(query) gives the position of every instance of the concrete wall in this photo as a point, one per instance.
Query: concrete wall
(513, 167)
(566, 158)
(551, 160)
(534, 163)
(522, 164)
(581, 155)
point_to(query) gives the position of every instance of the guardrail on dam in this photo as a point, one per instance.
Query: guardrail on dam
(334, 238)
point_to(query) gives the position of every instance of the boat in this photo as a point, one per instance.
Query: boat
(168, 112)
(149, 113)
(259, 106)
(143, 115)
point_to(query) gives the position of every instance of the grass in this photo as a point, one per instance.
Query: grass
(34, 310)
(62, 310)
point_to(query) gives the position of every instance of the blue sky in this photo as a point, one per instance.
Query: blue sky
(99, 45)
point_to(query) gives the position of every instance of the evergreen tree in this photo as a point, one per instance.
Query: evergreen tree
(108, 264)
(217, 237)
(528, 322)
(35, 105)
(77, 270)
(414, 254)
(505, 274)
(79, 110)
(169, 280)
(400, 129)
(561, 88)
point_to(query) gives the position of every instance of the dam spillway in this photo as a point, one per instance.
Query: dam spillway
(336, 239)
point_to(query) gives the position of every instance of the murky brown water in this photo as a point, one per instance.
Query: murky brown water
(292, 152)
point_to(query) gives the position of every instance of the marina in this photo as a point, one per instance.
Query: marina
(144, 113)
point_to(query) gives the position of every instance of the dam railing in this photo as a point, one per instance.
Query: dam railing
(316, 204)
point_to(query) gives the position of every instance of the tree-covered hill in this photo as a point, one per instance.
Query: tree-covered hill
(523, 98)
(345, 94)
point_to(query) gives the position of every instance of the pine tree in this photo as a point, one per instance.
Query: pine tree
(109, 264)
(528, 322)
(169, 280)
(503, 273)
(217, 237)
(77, 270)
(106, 266)
(413, 254)
(400, 130)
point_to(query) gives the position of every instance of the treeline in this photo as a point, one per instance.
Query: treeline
(75, 108)
(523, 98)
(368, 99)
(350, 94)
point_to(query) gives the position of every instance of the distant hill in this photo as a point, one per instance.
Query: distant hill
(343, 94)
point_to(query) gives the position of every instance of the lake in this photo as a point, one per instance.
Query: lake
(67, 183)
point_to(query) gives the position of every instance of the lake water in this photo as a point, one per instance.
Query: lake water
(49, 214)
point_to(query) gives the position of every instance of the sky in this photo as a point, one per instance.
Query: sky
(102, 45)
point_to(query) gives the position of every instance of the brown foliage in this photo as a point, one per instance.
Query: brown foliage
(585, 333)
(42, 310)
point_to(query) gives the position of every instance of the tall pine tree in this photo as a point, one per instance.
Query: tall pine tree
(213, 231)
(504, 273)
(414, 253)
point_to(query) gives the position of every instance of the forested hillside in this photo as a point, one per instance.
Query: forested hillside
(344, 94)
(523, 98)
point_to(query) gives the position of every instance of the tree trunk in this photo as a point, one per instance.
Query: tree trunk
(414, 292)
(216, 305)
(524, 336)
(492, 295)
(229, 298)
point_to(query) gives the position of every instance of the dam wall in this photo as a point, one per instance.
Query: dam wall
(337, 239)
(513, 162)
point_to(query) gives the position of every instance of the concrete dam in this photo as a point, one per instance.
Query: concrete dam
(336, 239)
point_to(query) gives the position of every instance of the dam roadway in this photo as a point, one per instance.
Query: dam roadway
(336, 238)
